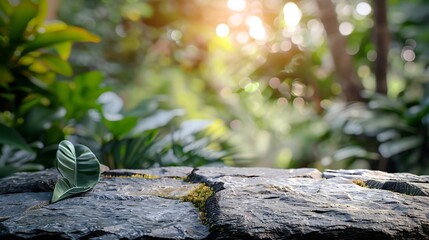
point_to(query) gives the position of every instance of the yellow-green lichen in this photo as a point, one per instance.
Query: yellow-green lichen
(134, 175)
(360, 182)
(183, 178)
(198, 196)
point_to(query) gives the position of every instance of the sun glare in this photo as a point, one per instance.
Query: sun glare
(292, 15)
(236, 5)
(222, 30)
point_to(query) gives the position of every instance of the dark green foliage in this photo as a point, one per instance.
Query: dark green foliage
(394, 131)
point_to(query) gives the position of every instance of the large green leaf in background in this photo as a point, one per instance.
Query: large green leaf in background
(11, 137)
(23, 13)
(80, 170)
(69, 34)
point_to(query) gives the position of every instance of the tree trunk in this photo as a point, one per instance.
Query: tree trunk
(381, 41)
(346, 73)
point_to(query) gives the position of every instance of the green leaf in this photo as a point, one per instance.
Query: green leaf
(159, 119)
(63, 50)
(42, 12)
(5, 75)
(120, 127)
(7, 170)
(56, 64)
(70, 34)
(378, 124)
(64, 189)
(23, 13)
(11, 137)
(146, 107)
(31, 167)
(350, 152)
(80, 170)
(5, 12)
(6, 7)
(391, 148)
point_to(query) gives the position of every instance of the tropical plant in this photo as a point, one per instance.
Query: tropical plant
(40, 106)
(389, 131)
(394, 131)
(146, 136)
(33, 53)
(79, 168)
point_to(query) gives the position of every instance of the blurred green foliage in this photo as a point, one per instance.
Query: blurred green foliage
(265, 82)
(275, 95)
(32, 54)
(390, 133)
(42, 104)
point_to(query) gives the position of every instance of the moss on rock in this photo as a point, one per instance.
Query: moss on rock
(198, 196)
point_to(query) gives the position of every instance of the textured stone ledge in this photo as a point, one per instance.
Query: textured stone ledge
(248, 203)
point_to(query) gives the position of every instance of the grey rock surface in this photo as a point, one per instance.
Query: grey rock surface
(43, 181)
(120, 207)
(248, 203)
(166, 172)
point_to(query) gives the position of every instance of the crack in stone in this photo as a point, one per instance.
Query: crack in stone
(397, 186)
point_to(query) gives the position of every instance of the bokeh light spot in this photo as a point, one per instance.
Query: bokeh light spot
(226, 92)
(363, 8)
(235, 19)
(253, 20)
(236, 5)
(364, 71)
(274, 82)
(292, 15)
(408, 54)
(285, 45)
(242, 37)
(299, 102)
(371, 55)
(235, 124)
(176, 35)
(256, 28)
(326, 103)
(257, 32)
(251, 87)
(298, 89)
(326, 161)
(222, 30)
(346, 28)
(282, 102)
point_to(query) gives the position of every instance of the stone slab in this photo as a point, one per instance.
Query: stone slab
(248, 203)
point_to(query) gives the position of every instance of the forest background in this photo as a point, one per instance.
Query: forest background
(273, 83)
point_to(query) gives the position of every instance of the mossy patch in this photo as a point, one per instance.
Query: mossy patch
(360, 182)
(198, 196)
(131, 175)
